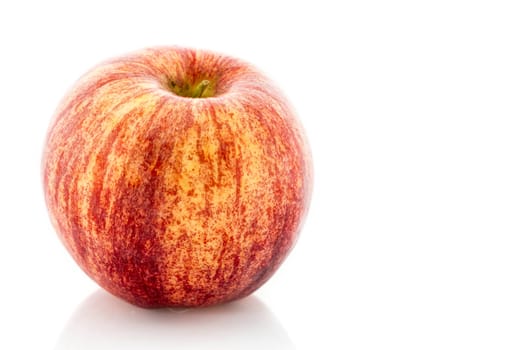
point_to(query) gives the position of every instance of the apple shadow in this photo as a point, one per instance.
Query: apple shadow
(102, 321)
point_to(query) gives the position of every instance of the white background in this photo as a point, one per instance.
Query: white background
(416, 112)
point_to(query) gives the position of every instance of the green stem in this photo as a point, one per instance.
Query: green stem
(200, 88)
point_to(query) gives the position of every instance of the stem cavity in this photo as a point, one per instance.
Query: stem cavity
(201, 89)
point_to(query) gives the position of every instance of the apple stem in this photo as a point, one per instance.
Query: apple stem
(200, 89)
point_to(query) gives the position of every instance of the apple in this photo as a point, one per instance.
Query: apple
(177, 177)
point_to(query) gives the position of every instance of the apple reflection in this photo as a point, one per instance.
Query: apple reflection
(105, 322)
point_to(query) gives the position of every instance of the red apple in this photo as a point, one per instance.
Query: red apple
(177, 177)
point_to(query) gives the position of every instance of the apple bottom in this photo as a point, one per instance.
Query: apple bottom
(148, 281)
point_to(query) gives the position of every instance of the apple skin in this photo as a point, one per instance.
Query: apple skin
(167, 200)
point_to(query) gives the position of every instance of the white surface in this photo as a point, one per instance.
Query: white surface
(417, 116)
